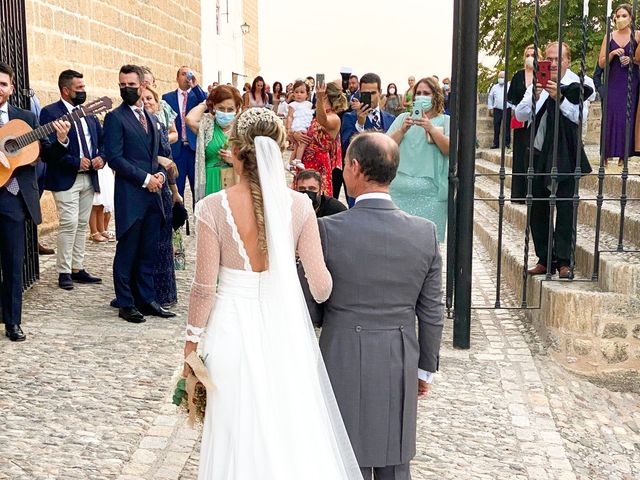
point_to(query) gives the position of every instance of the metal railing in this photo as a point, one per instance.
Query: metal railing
(463, 171)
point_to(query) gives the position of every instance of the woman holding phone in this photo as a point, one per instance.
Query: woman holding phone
(421, 186)
(621, 59)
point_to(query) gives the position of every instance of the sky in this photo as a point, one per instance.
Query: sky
(393, 38)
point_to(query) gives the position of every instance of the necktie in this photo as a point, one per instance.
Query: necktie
(375, 120)
(143, 119)
(12, 186)
(83, 140)
(183, 114)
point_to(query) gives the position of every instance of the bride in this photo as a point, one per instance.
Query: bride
(272, 414)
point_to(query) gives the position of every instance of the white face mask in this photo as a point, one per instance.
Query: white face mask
(501, 81)
(529, 62)
(392, 91)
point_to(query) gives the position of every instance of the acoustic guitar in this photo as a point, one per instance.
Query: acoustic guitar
(19, 142)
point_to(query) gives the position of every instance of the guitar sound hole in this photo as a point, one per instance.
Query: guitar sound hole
(11, 146)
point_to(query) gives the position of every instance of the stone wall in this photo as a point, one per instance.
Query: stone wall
(96, 37)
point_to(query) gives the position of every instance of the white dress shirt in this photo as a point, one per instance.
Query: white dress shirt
(134, 109)
(422, 374)
(85, 127)
(360, 128)
(496, 97)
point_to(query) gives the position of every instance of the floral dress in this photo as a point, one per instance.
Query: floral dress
(323, 154)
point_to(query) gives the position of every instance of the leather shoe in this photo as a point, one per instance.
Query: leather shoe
(114, 303)
(156, 310)
(83, 276)
(42, 250)
(15, 333)
(539, 269)
(131, 314)
(565, 272)
(65, 282)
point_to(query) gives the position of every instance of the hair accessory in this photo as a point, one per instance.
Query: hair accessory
(253, 116)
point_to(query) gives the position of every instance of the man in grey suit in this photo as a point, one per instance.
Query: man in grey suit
(386, 270)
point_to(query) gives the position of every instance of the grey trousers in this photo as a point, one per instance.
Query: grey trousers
(392, 472)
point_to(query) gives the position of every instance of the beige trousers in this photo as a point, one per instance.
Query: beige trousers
(74, 208)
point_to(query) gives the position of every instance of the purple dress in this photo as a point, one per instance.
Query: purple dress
(617, 104)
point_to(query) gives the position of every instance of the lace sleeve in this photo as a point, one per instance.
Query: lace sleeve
(310, 253)
(203, 289)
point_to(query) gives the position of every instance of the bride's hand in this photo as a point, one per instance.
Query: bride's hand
(188, 348)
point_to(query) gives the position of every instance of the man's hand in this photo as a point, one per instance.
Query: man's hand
(85, 164)
(423, 389)
(97, 163)
(160, 177)
(491, 111)
(194, 81)
(552, 88)
(538, 89)
(4, 161)
(362, 112)
(62, 129)
(154, 184)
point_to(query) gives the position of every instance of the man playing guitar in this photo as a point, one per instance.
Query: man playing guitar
(19, 201)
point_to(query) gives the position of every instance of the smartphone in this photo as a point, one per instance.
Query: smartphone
(544, 72)
(190, 75)
(417, 112)
(319, 79)
(365, 98)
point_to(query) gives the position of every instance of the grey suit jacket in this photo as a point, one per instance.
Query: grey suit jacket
(387, 271)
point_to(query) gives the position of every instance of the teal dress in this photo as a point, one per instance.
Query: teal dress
(421, 186)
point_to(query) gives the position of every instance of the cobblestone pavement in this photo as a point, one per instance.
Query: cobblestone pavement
(88, 397)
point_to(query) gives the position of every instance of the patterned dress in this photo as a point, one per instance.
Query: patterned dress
(323, 154)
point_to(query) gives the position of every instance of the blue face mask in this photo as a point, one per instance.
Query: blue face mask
(224, 119)
(425, 101)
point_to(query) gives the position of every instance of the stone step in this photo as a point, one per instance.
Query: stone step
(612, 183)
(590, 331)
(618, 272)
(587, 210)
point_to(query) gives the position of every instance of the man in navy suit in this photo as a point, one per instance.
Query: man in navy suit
(74, 179)
(188, 95)
(19, 202)
(365, 117)
(132, 144)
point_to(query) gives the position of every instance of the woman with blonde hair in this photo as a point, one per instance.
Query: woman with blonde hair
(323, 152)
(272, 414)
(521, 80)
(421, 186)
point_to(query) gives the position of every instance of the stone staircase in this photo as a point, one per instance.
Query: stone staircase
(593, 328)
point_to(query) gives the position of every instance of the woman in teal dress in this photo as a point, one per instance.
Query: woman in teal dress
(421, 185)
(213, 156)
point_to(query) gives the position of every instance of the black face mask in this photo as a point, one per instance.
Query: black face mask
(129, 95)
(79, 99)
(314, 196)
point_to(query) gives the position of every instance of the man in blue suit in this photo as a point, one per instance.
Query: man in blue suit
(364, 117)
(19, 202)
(188, 95)
(132, 144)
(73, 179)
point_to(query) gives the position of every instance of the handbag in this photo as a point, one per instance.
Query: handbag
(515, 123)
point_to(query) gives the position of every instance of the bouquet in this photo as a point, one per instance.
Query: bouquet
(191, 393)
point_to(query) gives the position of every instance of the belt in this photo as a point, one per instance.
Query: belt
(185, 142)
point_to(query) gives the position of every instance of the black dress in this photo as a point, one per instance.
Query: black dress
(521, 136)
(164, 275)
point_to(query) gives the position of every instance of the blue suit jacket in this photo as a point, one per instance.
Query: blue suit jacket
(26, 176)
(348, 128)
(196, 96)
(132, 154)
(61, 172)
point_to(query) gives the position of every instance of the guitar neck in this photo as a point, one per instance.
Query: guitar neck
(47, 129)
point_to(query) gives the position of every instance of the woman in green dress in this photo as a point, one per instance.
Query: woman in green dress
(421, 186)
(407, 98)
(212, 121)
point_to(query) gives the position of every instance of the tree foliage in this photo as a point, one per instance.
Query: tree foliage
(493, 18)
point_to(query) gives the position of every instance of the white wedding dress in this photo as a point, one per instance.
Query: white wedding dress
(272, 414)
